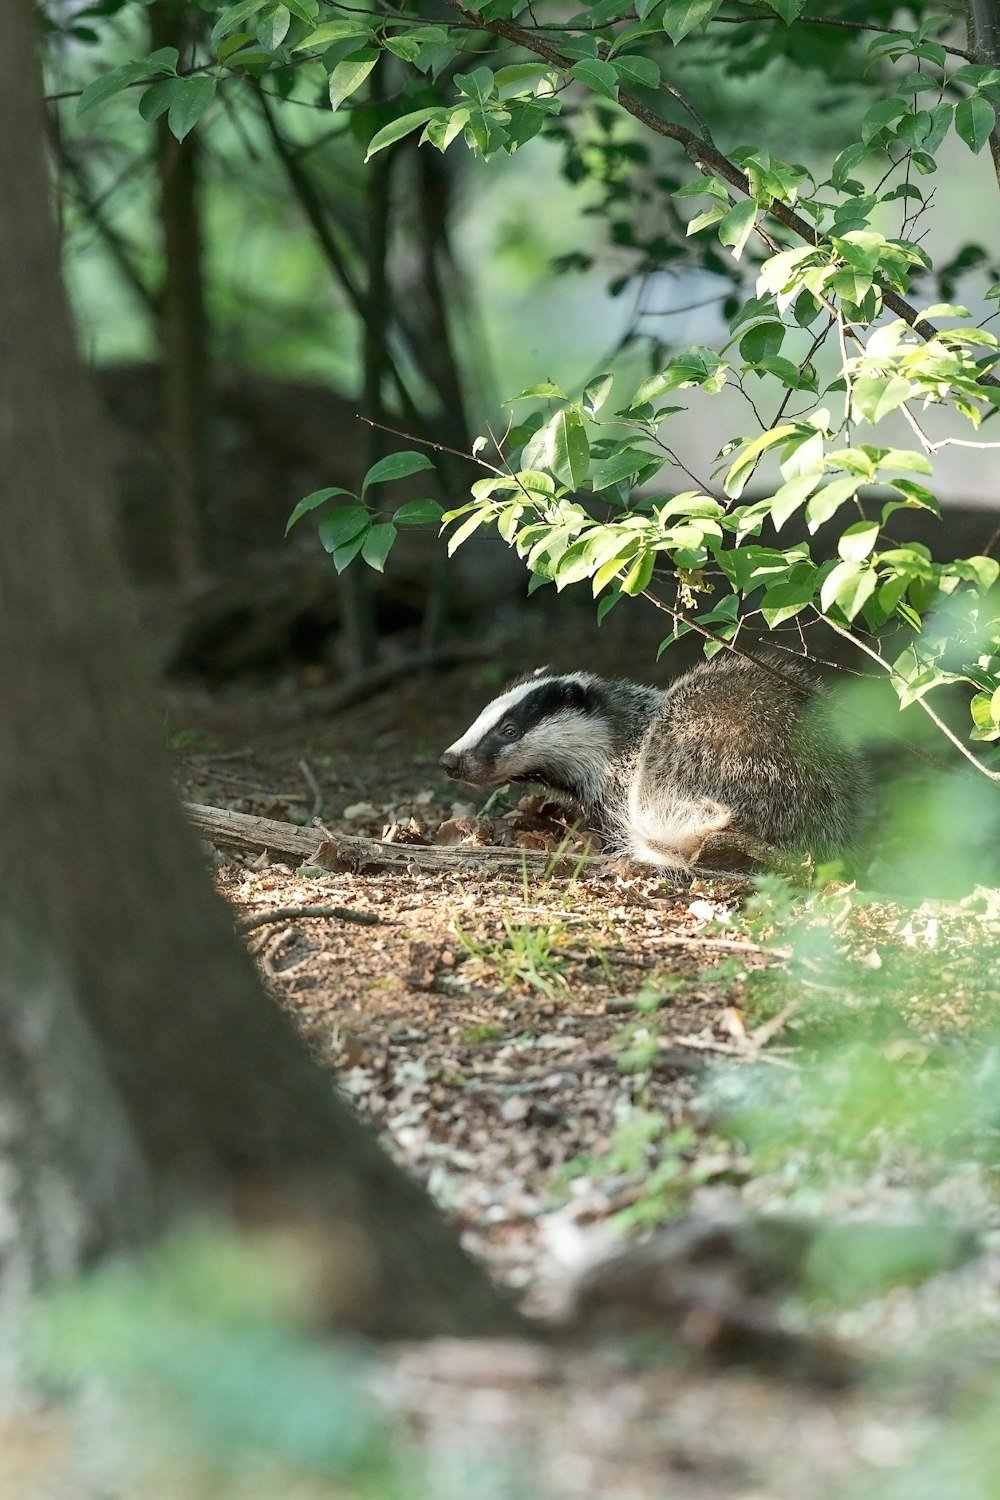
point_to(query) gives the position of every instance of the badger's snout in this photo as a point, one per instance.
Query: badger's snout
(450, 762)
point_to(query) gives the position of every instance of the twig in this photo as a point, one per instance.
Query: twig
(705, 156)
(934, 717)
(294, 913)
(314, 787)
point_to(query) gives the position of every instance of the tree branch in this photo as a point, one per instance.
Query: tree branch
(705, 156)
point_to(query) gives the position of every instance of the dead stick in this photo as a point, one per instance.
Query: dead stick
(292, 913)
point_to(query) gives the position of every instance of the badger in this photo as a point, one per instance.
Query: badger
(729, 747)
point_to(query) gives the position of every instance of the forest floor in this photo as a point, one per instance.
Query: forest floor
(568, 1061)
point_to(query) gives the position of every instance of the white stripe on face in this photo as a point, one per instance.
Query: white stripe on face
(492, 714)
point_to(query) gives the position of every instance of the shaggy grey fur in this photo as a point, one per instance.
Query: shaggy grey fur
(727, 747)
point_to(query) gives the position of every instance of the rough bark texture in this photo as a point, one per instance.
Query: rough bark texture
(982, 23)
(99, 874)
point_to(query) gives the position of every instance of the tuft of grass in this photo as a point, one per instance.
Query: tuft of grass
(530, 954)
(474, 1036)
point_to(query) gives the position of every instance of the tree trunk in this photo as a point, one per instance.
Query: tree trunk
(107, 909)
(982, 27)
(183, 322)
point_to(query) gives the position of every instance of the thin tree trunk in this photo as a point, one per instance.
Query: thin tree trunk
(183, 322)
(102, 884)
(982, 22)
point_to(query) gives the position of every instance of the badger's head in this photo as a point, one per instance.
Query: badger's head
(548, 729)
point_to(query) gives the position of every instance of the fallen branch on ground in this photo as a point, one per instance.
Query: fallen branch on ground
(348, 852)
(293, 913)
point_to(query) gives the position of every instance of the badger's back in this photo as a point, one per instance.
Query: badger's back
(761, 745)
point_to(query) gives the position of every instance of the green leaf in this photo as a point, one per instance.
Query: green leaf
(983, 571)
(624, 465)
(305, 10)
(788, 10)
(910, 460)
(858, 541)
(378, 544)
(158, 99)
(609, 570)
(570, 449)
(343, 525)
(640, 70)
(469, 525)
(397, 129)
(784, 601)
(983, 717)
(597, 75)
(520, 73)
(640, 573)
(880, 115)
(763, 341)
(737, 227)
(189, 104)
(310, 502)
(349, 75)
(109, 83)
(544, 388)
(346, 554)
(272, 27)
(703, 220)
(333, 31)
(827, 501)
(787, 500)
(974, 121)
(402, 46)
(682, 16)
(849, 586)
(235, 16)
(396, 466)
(746, 462)
(418, 513)
(477, 85)
(596, 394)
(164, 59)
(875, 396)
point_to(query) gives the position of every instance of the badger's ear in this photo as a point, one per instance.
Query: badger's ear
(542, 672)
(576, 694)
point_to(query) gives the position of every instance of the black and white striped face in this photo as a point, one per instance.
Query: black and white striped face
(548, 729)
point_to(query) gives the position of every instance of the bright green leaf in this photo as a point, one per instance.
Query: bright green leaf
(858, 541)
(418, 513)
(333, 31)
(397, 129)
(349, 75)
(570, 449)
(235, 16)
(849, 586)
(596, 394)
(737, 226)
(396, 466)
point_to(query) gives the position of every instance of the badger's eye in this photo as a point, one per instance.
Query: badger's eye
(509, 732)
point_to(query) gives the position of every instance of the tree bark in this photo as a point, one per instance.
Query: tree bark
(107, 908)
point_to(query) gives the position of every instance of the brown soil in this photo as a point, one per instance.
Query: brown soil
(482, 1026)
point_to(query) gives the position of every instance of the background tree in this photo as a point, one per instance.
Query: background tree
(825, 271)
(145, 1068)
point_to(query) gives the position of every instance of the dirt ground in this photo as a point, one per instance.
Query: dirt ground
(533, 1049)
